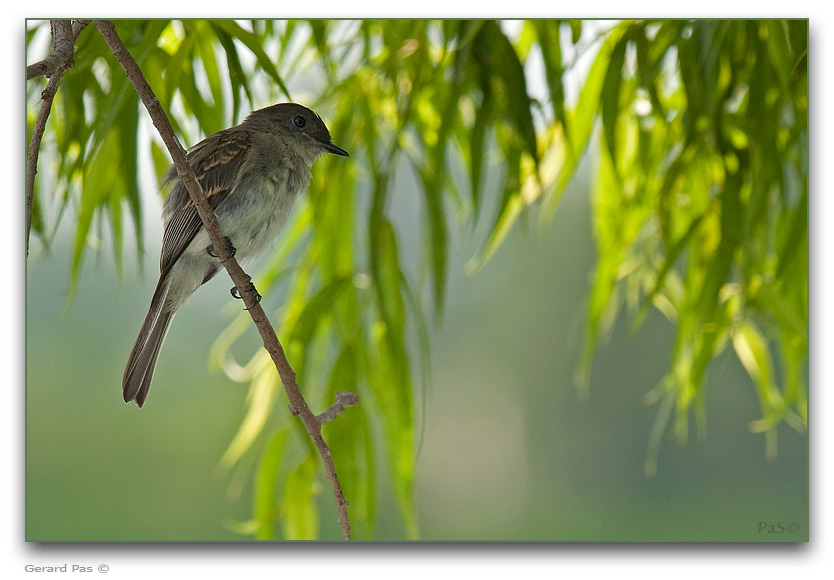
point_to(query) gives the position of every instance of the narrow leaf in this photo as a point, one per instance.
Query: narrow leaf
(254, 44)
(266, 485)
(610, 97)
(300, 515)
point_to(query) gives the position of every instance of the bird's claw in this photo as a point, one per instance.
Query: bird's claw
(230, 249)
(236, 295)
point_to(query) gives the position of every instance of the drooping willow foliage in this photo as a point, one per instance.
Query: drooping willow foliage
(698, 136)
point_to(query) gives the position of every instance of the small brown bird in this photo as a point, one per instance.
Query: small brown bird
(251, 175)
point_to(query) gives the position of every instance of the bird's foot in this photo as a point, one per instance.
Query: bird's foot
(236, 295)
(230, 249)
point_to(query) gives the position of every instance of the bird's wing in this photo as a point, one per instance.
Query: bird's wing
(216, 162)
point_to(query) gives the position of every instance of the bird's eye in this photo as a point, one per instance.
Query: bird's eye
(299, 121)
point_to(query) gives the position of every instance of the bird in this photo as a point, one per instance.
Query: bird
(251, 175)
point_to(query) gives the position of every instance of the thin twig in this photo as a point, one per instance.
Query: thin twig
(297, 404)
(77, 27)
(344, 399)
(58, 62)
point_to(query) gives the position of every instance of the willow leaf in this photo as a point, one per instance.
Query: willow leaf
(610, 96)
(300, 515)
(253, 43)
(266, 485)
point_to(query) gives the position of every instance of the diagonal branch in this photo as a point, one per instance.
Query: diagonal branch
(297, 404)
(53, 66)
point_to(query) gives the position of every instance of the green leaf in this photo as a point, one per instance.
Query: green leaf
(779, 50)
(575, 30)
(581, 121)
(128, 143)
(206, 53)
(262, 393)
(389, 374)
(551, 47)
(352, 446)
(610, 97)
(387, 275)
(500, 61)
(121, 89)
(502, 227)
(320, 306)
(668, 265)
(266, 485)
(253, 43)
(196, 105)
(237, 76)
(752, 350)
(438, 245)
(104, 185)
(161, 159)
(477, 139)
(176, 66)
(798, 231)
(300, 515)
(512, 204)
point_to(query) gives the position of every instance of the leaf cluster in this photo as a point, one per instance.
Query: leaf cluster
(701, 206)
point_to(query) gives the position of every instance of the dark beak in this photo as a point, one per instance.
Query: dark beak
(335, 150)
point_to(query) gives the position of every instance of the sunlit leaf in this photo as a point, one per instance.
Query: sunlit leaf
(262, 393)
(299, 517)
(581, 121)
(266, 486)
(669, 263)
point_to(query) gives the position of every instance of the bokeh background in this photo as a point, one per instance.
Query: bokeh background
(509, 449)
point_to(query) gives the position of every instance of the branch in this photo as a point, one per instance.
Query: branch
(344, 399)
(63, 38)
(53, 66)
(297, 404)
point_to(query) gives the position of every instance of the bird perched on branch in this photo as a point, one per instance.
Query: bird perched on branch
(251, 174)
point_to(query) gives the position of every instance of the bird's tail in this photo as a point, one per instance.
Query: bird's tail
(142, 361)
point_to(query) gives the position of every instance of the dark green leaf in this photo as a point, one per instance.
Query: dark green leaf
(254, 44)
(610, 97)
(779, 50)
(438, 246)
(237, 76)
(477, 139)
(500, 61)
(575, 30)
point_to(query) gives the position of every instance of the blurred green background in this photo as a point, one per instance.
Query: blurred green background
(510, 451)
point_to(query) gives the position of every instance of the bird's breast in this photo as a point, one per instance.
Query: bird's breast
(255, 212)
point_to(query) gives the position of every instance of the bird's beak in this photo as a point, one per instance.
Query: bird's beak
(334, 149)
